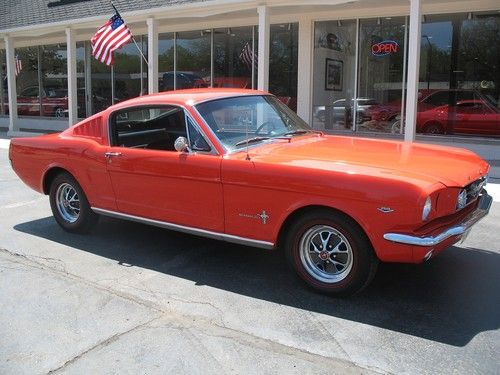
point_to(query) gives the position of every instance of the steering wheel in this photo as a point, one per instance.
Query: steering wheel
(271, 124)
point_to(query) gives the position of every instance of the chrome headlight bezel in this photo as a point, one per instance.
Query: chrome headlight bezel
(461, 199)
(426, 210)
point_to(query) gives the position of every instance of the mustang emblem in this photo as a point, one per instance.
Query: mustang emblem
(263, 216)
(385, 210)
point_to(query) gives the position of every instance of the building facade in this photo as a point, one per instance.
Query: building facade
(399, 67)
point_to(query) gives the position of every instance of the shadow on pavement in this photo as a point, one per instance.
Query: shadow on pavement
(451, 299)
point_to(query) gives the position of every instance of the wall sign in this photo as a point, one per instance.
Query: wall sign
(385, 48)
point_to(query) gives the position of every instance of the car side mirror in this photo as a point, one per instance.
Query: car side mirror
(181, 144)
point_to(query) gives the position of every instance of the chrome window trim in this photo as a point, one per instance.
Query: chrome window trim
(209, 128)
(213, 150)
(189, 230)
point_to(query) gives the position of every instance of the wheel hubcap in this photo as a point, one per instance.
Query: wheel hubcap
(326, 254)
(68, 202)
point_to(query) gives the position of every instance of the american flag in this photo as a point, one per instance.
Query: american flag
(19, 65)
(111, 36)
(247, 55)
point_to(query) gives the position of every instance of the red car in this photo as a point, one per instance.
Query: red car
(54, 102)
(240, 166)
(466, 117)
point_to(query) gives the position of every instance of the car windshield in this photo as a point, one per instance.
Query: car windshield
(244, 120)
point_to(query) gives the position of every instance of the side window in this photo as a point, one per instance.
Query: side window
(438, 98)
(154, 128)
(196, 140)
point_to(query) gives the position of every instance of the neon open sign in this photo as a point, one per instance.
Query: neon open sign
(385, 48)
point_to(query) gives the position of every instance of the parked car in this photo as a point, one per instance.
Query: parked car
(54, 102)
(456, 111)
(240, 166)
(465, 117)
(340, 110)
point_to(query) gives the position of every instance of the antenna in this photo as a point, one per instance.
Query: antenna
(246, 131)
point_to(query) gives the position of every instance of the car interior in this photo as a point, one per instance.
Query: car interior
(149, 128)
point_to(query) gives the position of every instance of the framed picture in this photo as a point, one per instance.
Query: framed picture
(334, 75)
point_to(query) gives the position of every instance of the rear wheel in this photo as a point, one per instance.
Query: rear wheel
(330, 252)
(70, 206)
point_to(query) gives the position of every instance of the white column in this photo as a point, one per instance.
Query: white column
(11, 83)
(263, 55)
(413, 70)
(72, 82)
(304, 70)
(152, 55)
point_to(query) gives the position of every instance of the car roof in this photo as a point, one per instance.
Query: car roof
(188, 97)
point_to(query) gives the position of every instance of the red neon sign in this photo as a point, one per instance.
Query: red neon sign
(385, 48)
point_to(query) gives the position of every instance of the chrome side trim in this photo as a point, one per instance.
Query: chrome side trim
(189, 230)
(482, 210)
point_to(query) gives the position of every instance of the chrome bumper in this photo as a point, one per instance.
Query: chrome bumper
(481, 211)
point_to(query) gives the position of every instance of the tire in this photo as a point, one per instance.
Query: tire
(70, 206)
(347, 268)
(433, 128)
(59, 112)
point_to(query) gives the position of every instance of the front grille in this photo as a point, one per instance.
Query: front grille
(474, 189)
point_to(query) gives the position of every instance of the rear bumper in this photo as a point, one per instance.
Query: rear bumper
(457, 230)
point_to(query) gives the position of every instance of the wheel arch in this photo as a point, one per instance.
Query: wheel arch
(50, 175)
(295, 214)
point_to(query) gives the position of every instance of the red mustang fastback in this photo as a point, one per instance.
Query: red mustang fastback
(239, 166)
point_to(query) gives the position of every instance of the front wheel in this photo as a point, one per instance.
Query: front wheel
(331, 253)
(70, 206)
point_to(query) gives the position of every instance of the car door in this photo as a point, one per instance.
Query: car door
(475, 117)
(152, 180)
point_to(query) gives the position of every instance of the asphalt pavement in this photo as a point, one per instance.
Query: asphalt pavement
(129, 298)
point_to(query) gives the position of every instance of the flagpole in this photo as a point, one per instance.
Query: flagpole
(133, 39)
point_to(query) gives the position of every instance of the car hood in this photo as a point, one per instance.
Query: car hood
(453, 167)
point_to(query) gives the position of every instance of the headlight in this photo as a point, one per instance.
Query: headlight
(427, 209)
(462, 199)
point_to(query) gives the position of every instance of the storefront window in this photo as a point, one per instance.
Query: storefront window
(81, 83)
(3, 83)
(460, 75)
(129, 70)
(334, 67)
(166, 54)
(193, 50)
(27, 81)
(381, 63)
(54, 80)
(101, 92)
(234, 57)
(283, 62)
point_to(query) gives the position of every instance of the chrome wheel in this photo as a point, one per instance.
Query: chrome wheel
(326, 254)
(59, 112)
(67, 202)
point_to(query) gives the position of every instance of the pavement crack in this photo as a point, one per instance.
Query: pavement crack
(101, 344)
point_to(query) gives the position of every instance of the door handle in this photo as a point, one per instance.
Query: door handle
(108, 155)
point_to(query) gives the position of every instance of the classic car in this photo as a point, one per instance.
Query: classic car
(240, 166)
(465, 117)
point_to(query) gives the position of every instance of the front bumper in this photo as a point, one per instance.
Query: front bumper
(462, 228)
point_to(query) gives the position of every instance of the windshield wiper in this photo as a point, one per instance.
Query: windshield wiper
(302, 131)
(251, 140)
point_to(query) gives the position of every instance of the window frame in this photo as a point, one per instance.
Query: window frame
(112, 136)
